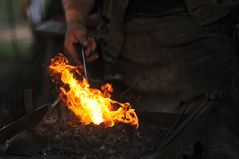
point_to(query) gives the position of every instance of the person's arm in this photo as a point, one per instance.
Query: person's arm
(77, 10)
(77, 14)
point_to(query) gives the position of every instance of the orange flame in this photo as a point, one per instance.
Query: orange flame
(88, 104)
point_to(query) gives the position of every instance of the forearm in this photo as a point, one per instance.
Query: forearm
(77, 10)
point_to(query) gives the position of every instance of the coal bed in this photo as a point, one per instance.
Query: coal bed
(71, 139)
(66, 137)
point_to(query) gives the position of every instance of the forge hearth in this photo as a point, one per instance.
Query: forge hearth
(71, 138)
(115, 133)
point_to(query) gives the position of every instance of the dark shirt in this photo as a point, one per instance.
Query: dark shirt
(150, 8)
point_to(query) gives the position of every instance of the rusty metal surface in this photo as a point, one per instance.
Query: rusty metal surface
(23, 123)
(28, 121)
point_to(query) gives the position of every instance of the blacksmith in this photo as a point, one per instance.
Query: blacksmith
(171, 51)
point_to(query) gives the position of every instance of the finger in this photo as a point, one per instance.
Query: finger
(92, 46)
(92, 57)
(71, 50)
(71, 38)
(82, 39)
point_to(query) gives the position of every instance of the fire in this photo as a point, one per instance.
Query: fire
(90, 105)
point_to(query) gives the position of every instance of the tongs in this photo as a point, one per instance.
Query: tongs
(84, 62)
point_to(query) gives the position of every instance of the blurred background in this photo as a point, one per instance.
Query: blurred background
(31, 32)
(15, 41)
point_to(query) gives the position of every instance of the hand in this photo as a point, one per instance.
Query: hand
(77, 34)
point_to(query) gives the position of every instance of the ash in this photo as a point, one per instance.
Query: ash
(72, 139)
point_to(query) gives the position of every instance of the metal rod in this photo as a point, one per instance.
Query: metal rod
(84, 62)
(55, 103)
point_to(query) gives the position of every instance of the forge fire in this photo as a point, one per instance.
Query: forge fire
(90, 105)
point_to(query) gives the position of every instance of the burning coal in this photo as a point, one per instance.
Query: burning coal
(90, 105)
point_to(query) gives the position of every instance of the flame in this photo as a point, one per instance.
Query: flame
(88, 104)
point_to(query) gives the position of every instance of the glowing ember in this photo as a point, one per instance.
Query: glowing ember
(88, 104)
